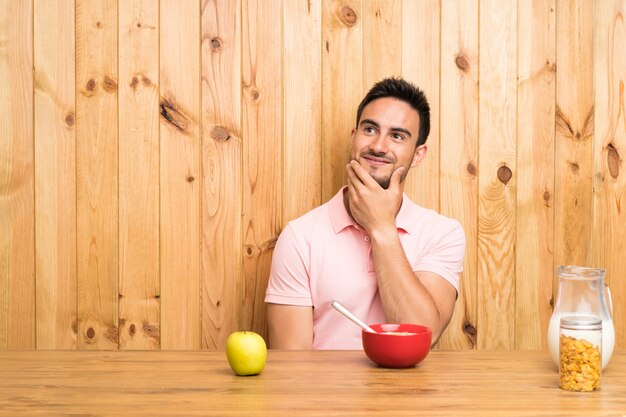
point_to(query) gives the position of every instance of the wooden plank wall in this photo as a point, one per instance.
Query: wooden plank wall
(151, 151)
(55, 175)
(17, 173)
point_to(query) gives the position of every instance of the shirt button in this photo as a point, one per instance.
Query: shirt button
(366, 238)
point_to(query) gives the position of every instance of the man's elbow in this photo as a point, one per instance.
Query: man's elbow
(289, 345)
(289, 340)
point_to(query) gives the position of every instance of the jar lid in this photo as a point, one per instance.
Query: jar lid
(581, 322)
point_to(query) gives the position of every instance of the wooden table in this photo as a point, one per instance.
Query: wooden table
(309, 383)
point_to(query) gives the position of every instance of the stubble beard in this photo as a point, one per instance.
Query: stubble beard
(383, 182)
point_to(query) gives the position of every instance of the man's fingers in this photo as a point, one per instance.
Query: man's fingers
(353, 181)
(396, 176)
(361, 173)
(351, 175)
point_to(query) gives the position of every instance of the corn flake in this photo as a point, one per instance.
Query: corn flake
(579, 365)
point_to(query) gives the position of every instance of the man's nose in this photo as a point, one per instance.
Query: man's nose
(379, 144)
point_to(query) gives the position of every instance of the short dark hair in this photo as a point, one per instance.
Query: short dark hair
(405, 91)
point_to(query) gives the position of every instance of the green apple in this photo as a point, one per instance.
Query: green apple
(246, 353)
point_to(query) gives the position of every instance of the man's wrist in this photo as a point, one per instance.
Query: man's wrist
(384, 235)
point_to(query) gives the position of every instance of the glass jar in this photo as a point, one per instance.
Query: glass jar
(580, 353)
(582, 292)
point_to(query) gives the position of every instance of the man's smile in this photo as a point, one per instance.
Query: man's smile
(376, 160)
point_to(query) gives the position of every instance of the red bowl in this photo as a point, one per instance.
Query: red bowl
(395, 350)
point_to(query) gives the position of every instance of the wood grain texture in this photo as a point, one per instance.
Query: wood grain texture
(180, 182)
(574, 132)
(55, 174)
(337, 383)
(609, 148)
(97, 173)
(262, 152)
(302, 107)
(17, 196)
(536, 92)
(342, 73)
(459, 154)
(382, 41)
(421, 65)
(139, 278)
(497, 175)
(222, 279)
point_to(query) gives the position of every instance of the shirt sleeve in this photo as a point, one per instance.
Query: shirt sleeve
(289, 276)
(445, 256)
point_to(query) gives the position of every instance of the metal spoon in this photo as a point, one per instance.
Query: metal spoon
(340, 308)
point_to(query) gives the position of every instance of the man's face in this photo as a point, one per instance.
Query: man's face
(385, 139)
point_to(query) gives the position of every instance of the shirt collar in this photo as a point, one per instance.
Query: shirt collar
(340, 218)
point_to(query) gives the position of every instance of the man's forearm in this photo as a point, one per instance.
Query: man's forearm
(405, 299)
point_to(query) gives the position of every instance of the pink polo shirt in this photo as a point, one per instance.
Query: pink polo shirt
(324, 256)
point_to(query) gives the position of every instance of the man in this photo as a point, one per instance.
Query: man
(370, 247)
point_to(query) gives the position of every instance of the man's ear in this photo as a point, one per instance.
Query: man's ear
(419, 154)
(352, 135)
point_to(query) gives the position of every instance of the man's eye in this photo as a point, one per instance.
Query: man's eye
(369, 130)
(398, 136)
